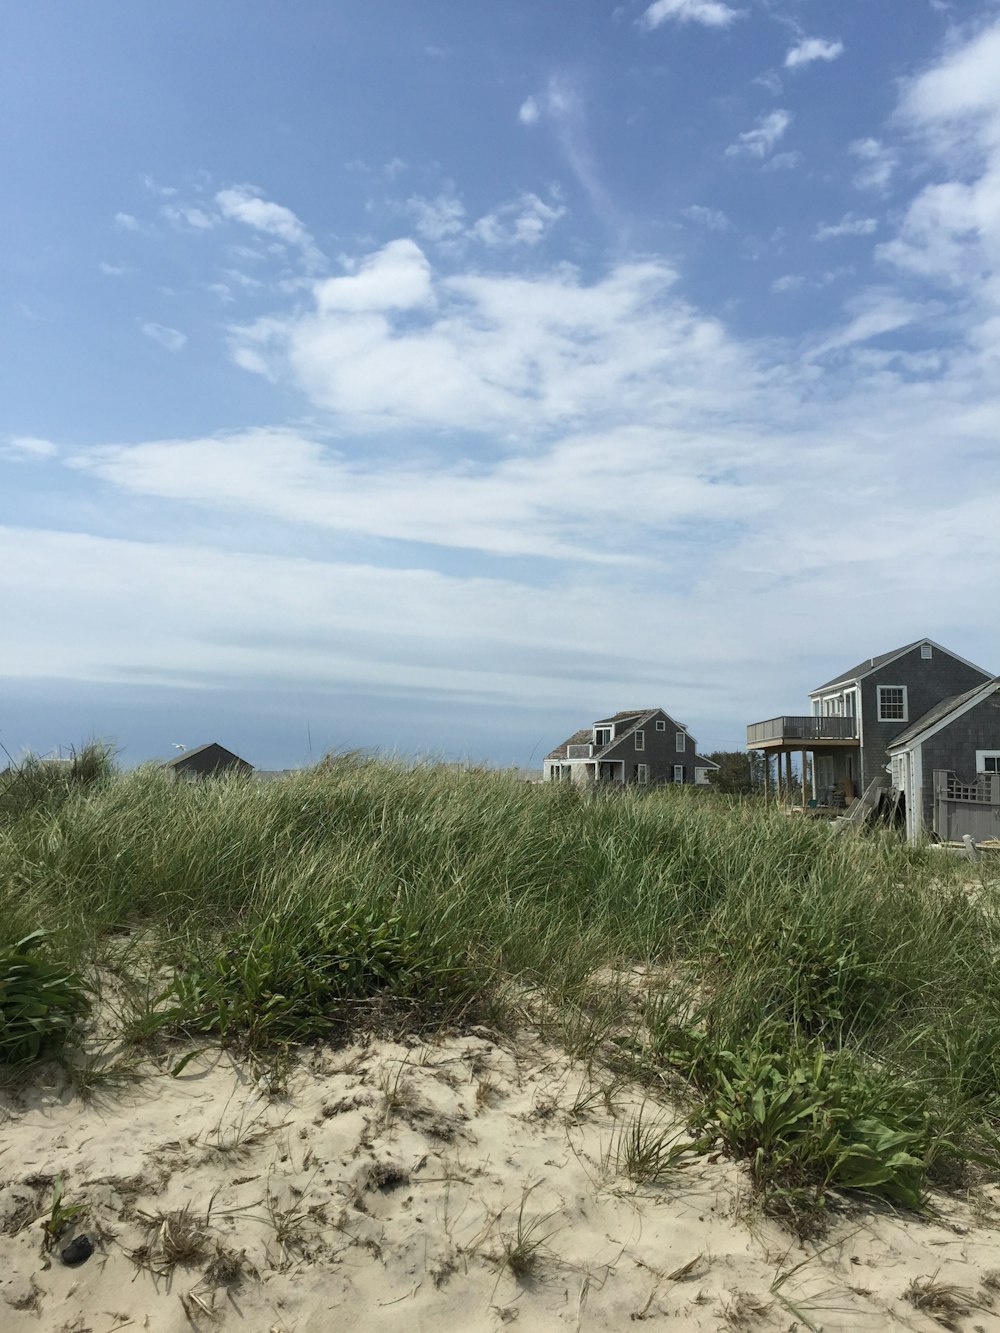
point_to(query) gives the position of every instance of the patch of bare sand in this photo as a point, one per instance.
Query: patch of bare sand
(459, 1185)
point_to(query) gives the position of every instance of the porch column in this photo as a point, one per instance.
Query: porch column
(767, 774)
(805, 793)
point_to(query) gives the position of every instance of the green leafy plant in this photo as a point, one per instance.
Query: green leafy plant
(39, 1002)
(806, 1119)
(275, 983)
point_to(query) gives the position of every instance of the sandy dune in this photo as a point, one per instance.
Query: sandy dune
(398, 1186)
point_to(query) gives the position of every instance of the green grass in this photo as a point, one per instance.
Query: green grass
(852, 979)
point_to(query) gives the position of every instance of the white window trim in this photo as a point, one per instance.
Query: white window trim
(642, 776)
(610, 733)
(661, 725)
(680, 742)
(640, 740)
(878, 700)
(982, 755)
(678, 768)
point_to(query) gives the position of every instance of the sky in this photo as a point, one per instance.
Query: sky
(438, 378)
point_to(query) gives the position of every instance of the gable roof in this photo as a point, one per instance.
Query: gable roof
(637, 717)
(942, 712)
(871, 664)
(200, 749)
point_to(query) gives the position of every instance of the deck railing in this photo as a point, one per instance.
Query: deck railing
(579, 752)
(808, 729)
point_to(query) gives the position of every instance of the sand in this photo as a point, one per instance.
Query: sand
(466, 1184)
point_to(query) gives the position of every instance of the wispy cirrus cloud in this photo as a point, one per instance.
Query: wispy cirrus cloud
(562, 106)
(246, 204)
(26, 448)
(172, 340)
(877, 162)
(526, 220)
(759, 141)
(849, 225)
(712, 219)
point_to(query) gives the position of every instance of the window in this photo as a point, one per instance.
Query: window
(602, 735)
(988, 761)
(926, 651)
(678, 772)
(640, 740)
(701, 777)
(640, 773)
(680, 742)
(661, 725)
(892, 703)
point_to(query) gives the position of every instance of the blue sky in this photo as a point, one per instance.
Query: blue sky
(440, 377)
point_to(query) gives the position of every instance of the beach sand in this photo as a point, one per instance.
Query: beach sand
(470, 1183)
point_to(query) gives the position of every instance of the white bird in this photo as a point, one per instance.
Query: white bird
(179, 746)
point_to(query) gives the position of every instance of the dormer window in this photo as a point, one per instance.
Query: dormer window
(602, 735)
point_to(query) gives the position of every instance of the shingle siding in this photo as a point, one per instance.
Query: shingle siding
(954, 747)
(659, 751)
(927, 682)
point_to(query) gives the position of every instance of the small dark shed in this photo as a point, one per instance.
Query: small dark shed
(206, 761)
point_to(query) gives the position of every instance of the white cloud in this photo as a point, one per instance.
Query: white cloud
(126, 222)
(549, 504)
(183, 215)
(713, 219)
(489, 352)
(788, 282)
(524, 221)
(26, 448)
(245, 204)
(759, 141)
(872, 314)
(114, 270)
(951, 231)
(562, 106)
(529, 113)
(710, 13)
(398, 277)
(849, 225)
(810, 49)
(172, 339)
(878, 162)
(782, 162)
(437, 219)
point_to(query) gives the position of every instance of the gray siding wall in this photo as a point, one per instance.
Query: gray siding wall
(660, 752)
(927, 683)
(954, 747)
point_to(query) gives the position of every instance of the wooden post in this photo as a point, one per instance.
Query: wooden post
(805, 794)
(767, 775)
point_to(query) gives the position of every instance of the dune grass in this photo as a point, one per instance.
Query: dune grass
(829, 1004)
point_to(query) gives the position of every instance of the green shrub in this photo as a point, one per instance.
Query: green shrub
(39, 1002)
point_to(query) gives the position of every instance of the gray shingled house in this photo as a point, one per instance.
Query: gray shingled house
(947, 764)
(858, 716)
(205, 761)
(641, 745)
